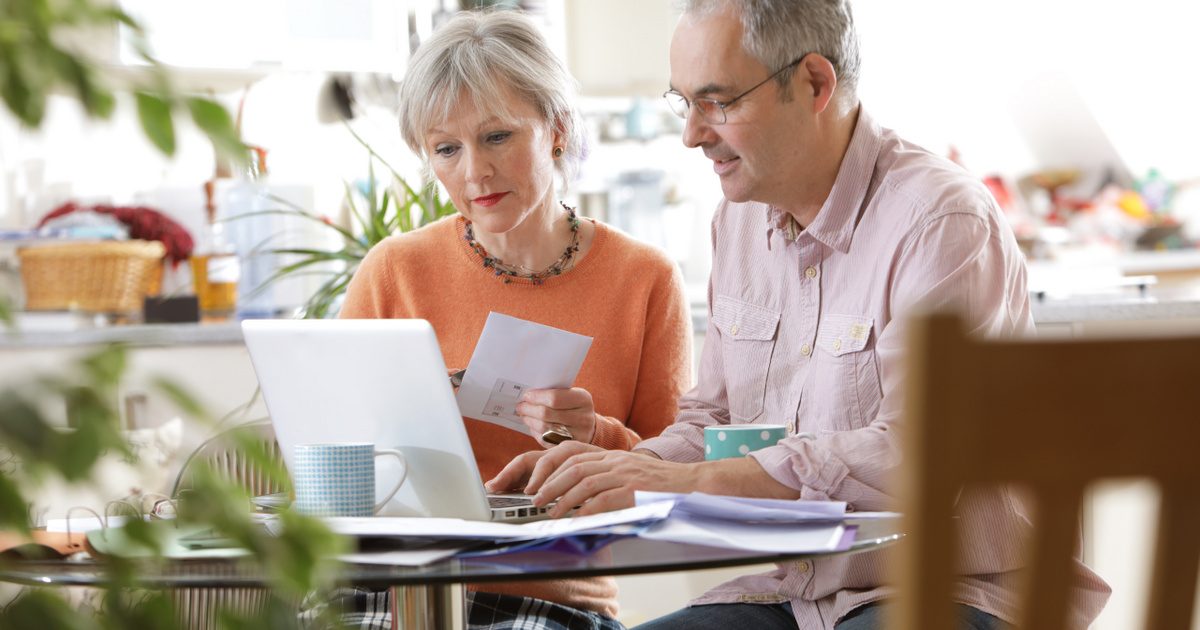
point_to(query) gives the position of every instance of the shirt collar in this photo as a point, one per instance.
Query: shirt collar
(838, 217)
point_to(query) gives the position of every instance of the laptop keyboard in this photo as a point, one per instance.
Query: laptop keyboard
(515, 506)
(504, 502)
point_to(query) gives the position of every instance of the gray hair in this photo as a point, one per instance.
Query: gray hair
(486, 54)
(776, 32)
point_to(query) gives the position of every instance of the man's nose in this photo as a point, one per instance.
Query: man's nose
(696, 130)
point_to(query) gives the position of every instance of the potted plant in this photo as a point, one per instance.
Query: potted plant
(377, 209)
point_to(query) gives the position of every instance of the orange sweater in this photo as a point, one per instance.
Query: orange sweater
(624, 294)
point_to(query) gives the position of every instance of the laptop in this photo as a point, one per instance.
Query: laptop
(381, 381)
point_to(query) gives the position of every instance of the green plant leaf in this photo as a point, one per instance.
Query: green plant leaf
(293, 211)
(43, 610)
(353, 205)
(21, 98)
(320, 255)
(14, 509)
(216, 123)
(97, 101)
(181, 397)
(374, 214)
(105, 366)
(154, 112)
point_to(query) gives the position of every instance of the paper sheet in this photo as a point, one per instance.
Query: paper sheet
(512, 356)
(453, 528)
(745, 509)
(403, 557)
(764, 537)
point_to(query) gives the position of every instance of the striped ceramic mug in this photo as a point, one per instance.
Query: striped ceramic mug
(338, 478)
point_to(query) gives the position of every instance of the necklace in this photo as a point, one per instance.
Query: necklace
(508, 272)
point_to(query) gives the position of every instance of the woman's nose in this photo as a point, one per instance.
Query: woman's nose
(479, 168)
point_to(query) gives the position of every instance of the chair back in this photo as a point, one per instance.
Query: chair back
(199, 608)
(224, 455)
(1050, 417)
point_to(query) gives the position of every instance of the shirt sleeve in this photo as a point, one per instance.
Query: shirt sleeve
(955, 260)
(664, 371)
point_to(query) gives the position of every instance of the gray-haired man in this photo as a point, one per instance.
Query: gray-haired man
(832, 229)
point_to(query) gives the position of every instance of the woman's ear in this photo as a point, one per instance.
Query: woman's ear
(558, 134)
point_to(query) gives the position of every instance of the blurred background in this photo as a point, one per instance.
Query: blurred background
(1079, 116)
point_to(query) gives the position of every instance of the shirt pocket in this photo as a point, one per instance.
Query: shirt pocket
(845, 380)
(747, 343)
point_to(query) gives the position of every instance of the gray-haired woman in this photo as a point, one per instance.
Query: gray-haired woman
(491, 109)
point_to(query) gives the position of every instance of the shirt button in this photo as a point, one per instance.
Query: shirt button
(837, 344)
(802, 566)
(811, 272)
(734, 330)
(806, 349)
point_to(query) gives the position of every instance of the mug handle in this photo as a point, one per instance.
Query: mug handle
(403, 474)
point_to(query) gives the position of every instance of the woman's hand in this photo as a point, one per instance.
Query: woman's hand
(571, 409)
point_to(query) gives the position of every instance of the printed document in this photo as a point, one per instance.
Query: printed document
(512, 356)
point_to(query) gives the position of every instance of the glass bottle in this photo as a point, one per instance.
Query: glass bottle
(252, 231)
(215, 266)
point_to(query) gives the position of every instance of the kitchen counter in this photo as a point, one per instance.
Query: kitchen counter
(1114, 308)
(143, 335)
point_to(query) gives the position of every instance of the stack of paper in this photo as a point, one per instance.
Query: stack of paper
(761, 525)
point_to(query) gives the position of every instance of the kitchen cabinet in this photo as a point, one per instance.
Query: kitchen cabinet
(620, 47)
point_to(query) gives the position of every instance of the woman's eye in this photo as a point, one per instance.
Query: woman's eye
(498, 137)
(445, 150)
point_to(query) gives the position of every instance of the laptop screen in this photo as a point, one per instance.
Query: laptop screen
(373, 380)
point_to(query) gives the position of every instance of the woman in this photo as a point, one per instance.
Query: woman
(488, 106)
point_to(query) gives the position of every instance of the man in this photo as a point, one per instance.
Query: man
(831, 231)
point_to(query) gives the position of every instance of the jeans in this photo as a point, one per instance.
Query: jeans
(772, 616)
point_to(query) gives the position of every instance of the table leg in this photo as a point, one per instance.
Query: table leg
(434, 606)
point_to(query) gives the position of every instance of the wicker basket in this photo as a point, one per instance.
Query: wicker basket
(100, 277)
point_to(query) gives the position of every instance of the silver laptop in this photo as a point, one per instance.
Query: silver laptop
(381, 381)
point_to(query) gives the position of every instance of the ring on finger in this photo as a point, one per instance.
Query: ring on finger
(557, 434)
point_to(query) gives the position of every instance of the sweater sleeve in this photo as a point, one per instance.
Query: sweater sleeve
(664, 371)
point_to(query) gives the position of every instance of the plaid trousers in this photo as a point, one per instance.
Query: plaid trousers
(365, 609)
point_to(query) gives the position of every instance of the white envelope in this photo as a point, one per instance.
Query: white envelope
(512, 356)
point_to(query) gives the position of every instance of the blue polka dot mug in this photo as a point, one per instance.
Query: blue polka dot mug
(737, 440)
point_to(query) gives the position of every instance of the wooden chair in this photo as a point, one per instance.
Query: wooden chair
(1051, 416)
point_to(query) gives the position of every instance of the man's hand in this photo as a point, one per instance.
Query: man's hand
(527, 471)
(601, 481)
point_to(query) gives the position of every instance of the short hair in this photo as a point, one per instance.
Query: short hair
(486, 54)
(776, 32)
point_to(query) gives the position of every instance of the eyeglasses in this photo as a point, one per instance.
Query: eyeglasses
(711, 109)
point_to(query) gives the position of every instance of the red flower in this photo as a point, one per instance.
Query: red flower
(144, 223)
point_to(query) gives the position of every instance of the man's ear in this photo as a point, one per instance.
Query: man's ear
(820, 78)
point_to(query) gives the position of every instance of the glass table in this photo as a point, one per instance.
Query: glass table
(431, 596)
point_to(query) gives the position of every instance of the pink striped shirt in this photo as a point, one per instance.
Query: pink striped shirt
(808, 332)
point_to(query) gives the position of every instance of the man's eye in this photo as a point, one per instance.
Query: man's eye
(445, 150)
(498, 137)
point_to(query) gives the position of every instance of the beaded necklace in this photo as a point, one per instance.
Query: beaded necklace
(507, 272)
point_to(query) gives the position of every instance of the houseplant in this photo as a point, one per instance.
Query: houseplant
(377, 209)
